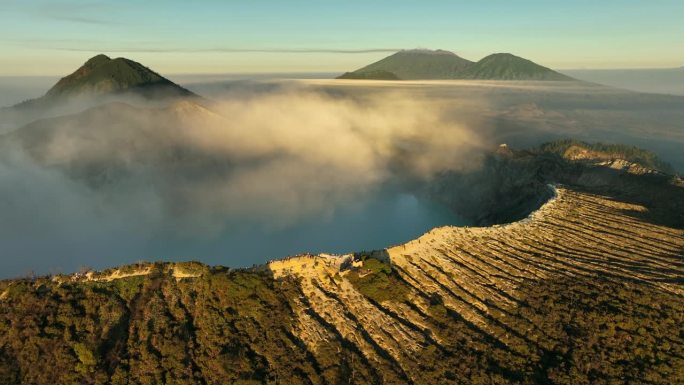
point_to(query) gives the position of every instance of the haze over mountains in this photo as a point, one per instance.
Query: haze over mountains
(657, 80)
(423, 64)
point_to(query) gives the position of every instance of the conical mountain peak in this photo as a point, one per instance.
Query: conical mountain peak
(97, 60)
(103, 75)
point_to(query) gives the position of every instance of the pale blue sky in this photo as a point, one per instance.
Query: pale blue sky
(40, 37)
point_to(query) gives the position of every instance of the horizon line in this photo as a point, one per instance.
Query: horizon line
(334, 72)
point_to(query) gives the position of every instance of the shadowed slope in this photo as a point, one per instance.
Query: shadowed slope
(504, 66)
(101, 76)
(415, 64)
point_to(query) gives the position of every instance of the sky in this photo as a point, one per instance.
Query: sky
(41, 37)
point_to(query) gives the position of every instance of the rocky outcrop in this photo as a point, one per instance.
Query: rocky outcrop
(481, 273)
(512, 183)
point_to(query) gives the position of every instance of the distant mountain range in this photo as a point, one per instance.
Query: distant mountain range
(101, 76)
(652, 80)
(418, 64)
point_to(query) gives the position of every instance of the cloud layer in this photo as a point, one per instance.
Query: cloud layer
(267, 160)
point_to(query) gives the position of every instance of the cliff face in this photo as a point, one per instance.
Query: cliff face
(510, 184)
(587, 289)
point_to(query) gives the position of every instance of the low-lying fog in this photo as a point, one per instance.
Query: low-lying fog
(524, 114)
(234, 181)
(48, 231)
(659, 81)
(265, 169)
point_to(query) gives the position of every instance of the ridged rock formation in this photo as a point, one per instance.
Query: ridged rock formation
(477, 273)
(584, 290)
(587, 289)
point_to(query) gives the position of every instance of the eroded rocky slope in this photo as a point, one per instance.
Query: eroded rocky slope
(482, 279)
(587, 289)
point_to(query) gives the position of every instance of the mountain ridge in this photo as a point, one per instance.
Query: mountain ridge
(506, 66)
(423, 64)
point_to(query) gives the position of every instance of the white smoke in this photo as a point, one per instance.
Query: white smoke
(270, 159)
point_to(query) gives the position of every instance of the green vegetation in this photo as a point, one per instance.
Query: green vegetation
(228, 327)
(568, 147)
(126, 288)
(86, 356)
(602, 331)
(377, 281)
(586, 331)
(439, 64)
(232, 327)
